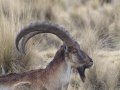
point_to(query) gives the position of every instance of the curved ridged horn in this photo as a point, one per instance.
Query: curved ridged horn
(28, 32)
(25, 39)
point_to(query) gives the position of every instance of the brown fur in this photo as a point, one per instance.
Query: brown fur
(40, 75)
(55, 76)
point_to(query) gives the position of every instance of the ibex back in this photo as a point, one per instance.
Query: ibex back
(56, 75)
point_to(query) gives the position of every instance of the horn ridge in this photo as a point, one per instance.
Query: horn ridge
(30, 31)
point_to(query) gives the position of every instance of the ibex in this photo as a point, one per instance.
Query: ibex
(56, 75)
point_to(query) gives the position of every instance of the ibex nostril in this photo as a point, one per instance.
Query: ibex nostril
(91, 62)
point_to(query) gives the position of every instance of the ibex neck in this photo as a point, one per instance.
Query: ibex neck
(59, 73)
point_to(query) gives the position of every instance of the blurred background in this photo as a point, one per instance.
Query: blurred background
(95, 24)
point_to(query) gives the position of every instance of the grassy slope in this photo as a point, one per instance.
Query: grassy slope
(95, 25)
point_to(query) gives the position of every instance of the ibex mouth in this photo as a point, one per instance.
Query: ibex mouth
(81, 70)
(88, 65)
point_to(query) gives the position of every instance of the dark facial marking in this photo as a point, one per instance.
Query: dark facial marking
(81, 71)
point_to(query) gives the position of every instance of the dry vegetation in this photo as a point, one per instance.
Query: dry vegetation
(94, 23)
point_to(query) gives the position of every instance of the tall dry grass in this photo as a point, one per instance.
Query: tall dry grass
(95, 24)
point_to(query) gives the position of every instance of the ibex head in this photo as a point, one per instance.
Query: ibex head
(77, 57)
(73, 54)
